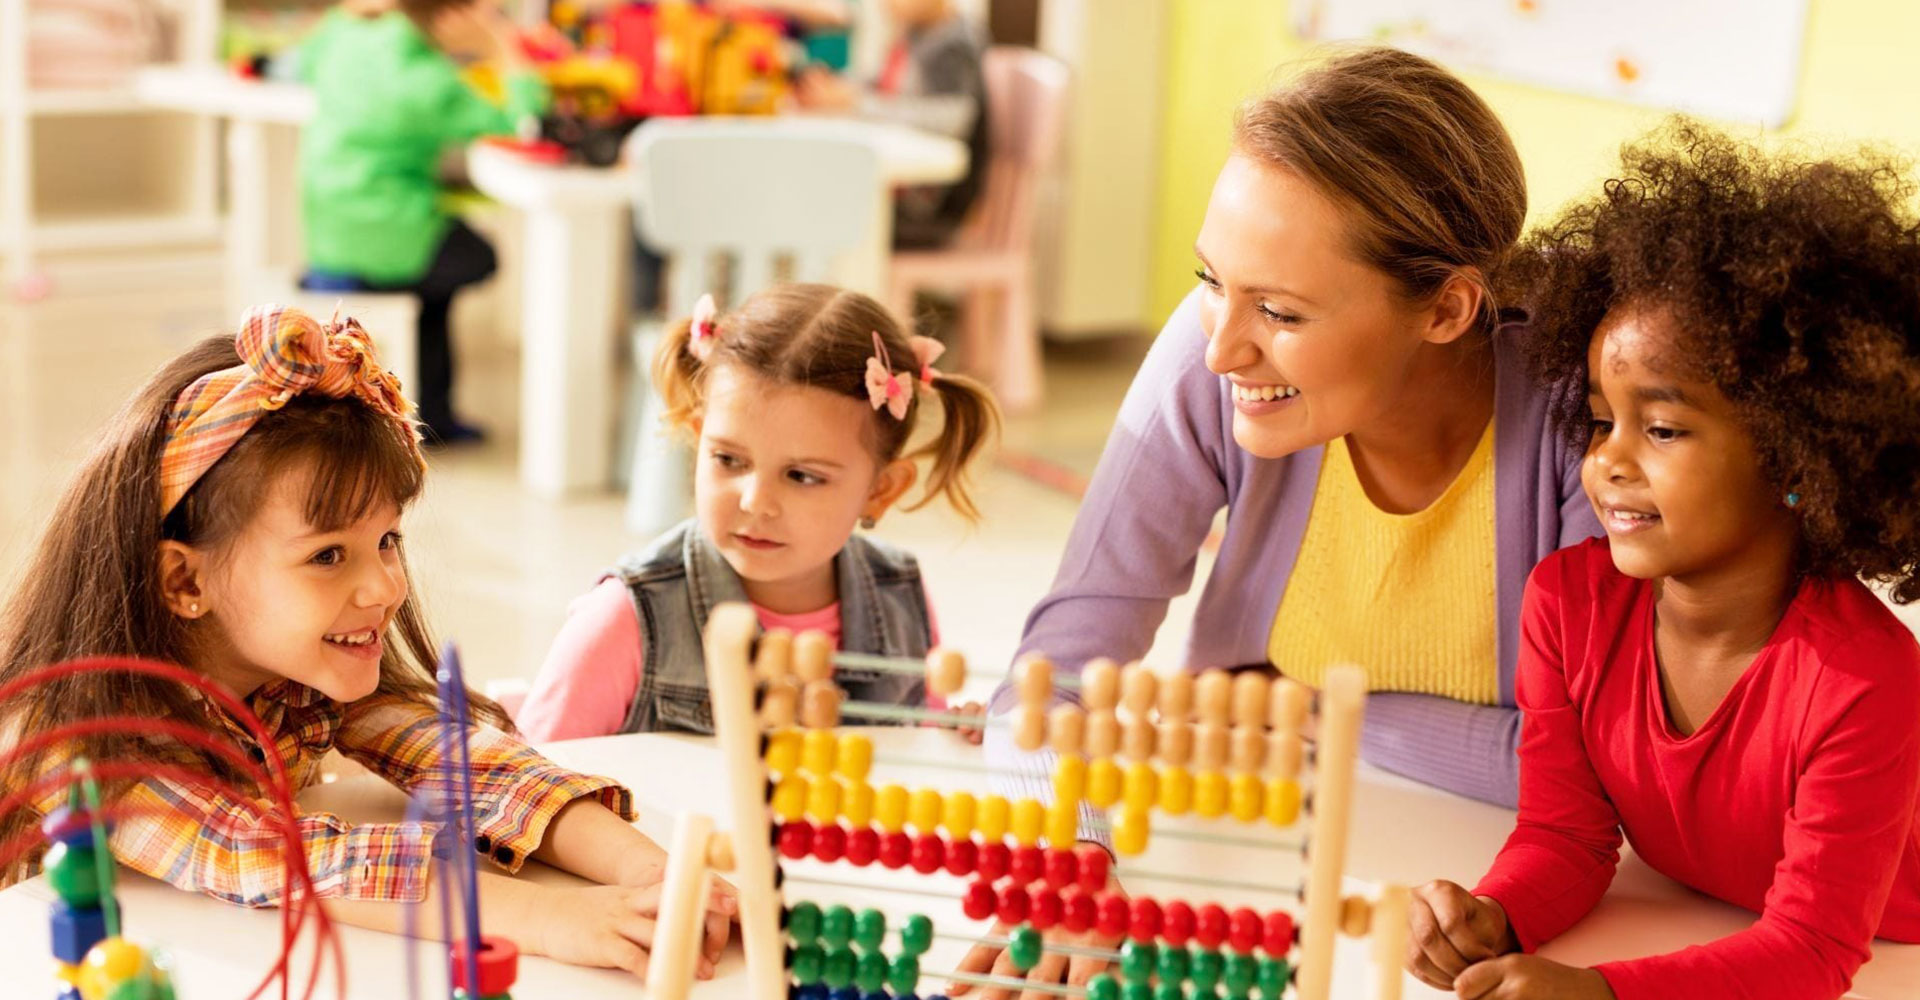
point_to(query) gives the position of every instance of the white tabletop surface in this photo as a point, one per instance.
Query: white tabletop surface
(214, 90)
(1401, 832)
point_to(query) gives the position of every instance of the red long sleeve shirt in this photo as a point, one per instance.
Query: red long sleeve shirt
(1797, 798)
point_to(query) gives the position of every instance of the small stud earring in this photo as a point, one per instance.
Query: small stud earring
(1793, 499)
(194, 608)
(868, 523)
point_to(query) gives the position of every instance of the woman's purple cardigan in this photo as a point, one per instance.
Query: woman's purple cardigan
(1171, 464)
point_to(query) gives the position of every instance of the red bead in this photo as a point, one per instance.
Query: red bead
(1076, 910)
(1244, 930)
(1144, 922)
(1112, 914)
(830, 842)
(1211, 928)
(1278, 934)
(1015, 904)
(498, 964)
(1047, 908)
(1062, 867)
(796, 839)
(929, 853)
(1094, 862)
(995, 859)
(1176, 923)
(1028, 865)
(863, 846)
(963, 856)
(978, 902)
(896, 849)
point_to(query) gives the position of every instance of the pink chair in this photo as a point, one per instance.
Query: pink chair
(991, 259)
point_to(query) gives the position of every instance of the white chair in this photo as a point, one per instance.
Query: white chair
(712, 187)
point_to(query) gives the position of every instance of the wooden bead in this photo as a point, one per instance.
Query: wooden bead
(1137, 740)
(1282, 801)
(1036, 681)
(720, 852)
(1070, 778)
(856, 801)
(1250, 698)
(1288, 705)
(1130, 832)
(819, 751)
(946, 671)
(995, 815)
(1030, 726)
(1103, 734)
(1063, 824)
(1356, 914)
(856, 755)
(820, 705)
(790, 798)
(1211, 740)
(1175, 743)
(1138, 685)
(1285, 753)
(1099, 685)
(1210, 794)
(1176, 697)
(1140, 786)
(1214, 694)
(1104, 782)
(1245, 796)
(1176, 790)
(823, 798)
(1029, 822)
(783, 751)
(1249, 747)
(925, 808)
(890, 808)
(812, 656)
(779, 703)
(1067, 729)
(773, 654)
(958, 815)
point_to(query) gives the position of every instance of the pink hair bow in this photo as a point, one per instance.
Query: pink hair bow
(703, 334)
(884, 387)
(927, 350)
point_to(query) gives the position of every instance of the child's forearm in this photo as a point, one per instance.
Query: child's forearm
(593, 842)
(509, 908)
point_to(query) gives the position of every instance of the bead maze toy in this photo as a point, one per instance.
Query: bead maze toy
(1217, 746)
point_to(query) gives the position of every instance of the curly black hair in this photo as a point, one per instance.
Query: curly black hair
(1795, 288)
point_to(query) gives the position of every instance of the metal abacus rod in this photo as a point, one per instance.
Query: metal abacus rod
(909, 665)
(1292, 889)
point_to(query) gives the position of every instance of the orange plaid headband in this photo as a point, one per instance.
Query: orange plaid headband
(284, 352)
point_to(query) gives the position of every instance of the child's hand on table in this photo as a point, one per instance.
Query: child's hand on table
(819, 90)
(612, 926)
(1530, 977)
(972, 734)
(1450, 929)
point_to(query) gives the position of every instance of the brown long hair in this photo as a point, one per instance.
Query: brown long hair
(1430, 182)
(92, 586)
(821, 336)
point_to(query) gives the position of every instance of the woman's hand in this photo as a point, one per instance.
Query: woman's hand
(1450, 930)
(612, 927)
(1530, 977)
(1054, 968)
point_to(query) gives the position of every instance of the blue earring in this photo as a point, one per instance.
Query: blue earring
(1793, 499)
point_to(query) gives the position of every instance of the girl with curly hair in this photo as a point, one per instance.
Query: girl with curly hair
(1735, 337)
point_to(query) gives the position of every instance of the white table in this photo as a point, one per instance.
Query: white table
(1402, 832)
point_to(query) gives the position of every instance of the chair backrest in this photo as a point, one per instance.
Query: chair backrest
(752, 191)
(1026, 108)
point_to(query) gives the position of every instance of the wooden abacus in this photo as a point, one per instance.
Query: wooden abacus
(1224, 745)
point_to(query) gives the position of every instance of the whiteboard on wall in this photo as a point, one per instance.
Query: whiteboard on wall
(1729, 59)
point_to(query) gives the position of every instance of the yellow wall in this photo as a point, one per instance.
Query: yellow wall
(1860, 81)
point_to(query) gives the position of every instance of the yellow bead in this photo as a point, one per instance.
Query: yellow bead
(69, 974)
(823, 798)
(856, 801)
(1210, 794)
(790, 798)
(1103, 782)
(925, 809)
(1070, 778)
(890, 808)
(1141, 786)
(1029, 821)
(958, 817)
(1283, 801)
(819, 751)
(1130, 832)
(1063, 824)
(1176, 790)
(856, 756)
(111, 962)
(1244, 798)
(783, 751)
(994, 813)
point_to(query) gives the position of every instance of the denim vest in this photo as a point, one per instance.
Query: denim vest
(678, 579)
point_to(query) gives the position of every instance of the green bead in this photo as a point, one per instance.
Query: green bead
(1023, 947)
(870, 972)
(836, 928)
(1102, 986)
(1136, 961)
(1206, 968)
(869, 929)
(904, 977)
(74, 874)
(1136, 991)
(1271, 977)
(916, 935)
(806, 963)
(836, 970)
(1169, 988)
(1238, 973)
(803, 923)
(1172, 962)
(137, 988)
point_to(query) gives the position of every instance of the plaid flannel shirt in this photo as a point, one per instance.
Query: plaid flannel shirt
(204, 839)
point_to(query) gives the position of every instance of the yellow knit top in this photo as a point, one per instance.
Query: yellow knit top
(1409, 597)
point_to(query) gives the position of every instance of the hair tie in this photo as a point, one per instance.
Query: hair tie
(283, 352)
(884, 387)
(703, 334)
(926, 351)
